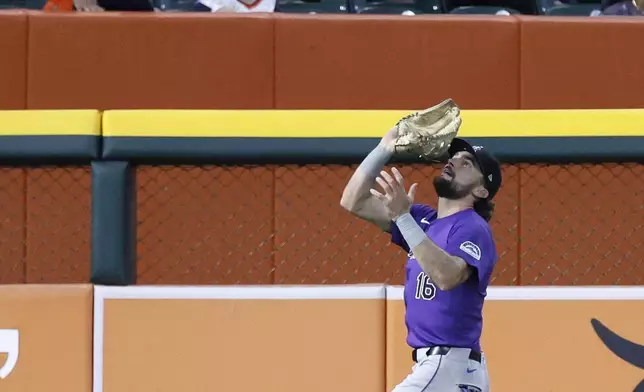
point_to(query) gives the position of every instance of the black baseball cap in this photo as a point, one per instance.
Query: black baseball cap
(490, 167)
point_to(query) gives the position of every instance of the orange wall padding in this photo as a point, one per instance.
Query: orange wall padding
(313, 338)
(119, 60)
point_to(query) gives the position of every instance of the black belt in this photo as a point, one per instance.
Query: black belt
(443, 350)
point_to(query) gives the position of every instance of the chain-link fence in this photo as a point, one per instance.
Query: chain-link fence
(573, 224)
(45, 224)
(582, 224)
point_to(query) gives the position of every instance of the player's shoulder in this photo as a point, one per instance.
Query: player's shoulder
(474, 236)
(420, 211)
(474, 223)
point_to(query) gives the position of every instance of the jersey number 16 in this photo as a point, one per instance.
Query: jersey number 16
(425, 288)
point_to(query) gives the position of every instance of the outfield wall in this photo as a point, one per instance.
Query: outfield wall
(294, 338)
(181, 60)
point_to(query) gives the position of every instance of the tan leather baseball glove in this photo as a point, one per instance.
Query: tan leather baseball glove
(429, 132)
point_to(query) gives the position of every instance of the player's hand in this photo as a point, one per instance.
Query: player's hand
(396, 200)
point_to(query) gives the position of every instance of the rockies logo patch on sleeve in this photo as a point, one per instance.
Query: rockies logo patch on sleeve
(471, 249)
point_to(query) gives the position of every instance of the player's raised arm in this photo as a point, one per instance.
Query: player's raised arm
(357, 197)
(445, 270)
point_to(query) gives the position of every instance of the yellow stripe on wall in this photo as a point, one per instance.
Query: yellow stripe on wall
(50, 122)
(249, 123)
(365, 123)
(536, 123)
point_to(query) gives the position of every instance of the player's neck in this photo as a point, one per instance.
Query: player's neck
(447, 207)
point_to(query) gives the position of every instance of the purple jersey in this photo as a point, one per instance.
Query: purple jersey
(448, 318)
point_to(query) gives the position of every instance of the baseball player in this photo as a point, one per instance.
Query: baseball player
(451, 255)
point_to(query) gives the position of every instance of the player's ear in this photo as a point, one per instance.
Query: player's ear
(481, 192)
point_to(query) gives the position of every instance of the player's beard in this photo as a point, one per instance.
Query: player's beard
(449, 189)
